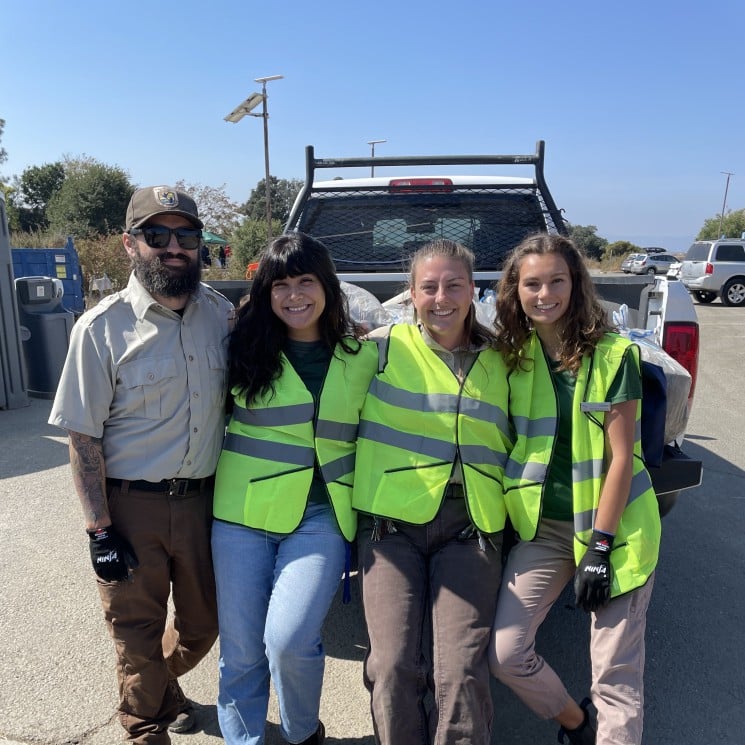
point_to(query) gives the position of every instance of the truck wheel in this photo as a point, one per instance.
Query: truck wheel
(704, 297)
(733, 292)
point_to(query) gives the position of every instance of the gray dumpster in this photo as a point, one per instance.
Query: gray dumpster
(45, 333)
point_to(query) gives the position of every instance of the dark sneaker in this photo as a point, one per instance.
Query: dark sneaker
(584, 734)
(185, 721)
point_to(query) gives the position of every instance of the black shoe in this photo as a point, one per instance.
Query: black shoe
(317, 738)
(185, 720)
(582, 735)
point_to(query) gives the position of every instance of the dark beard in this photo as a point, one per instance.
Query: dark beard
(158, 279)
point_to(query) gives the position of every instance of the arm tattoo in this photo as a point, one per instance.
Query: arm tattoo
(89, 477)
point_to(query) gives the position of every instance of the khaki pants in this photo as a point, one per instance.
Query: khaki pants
(171, 538)
(535, 575)
(429, 595)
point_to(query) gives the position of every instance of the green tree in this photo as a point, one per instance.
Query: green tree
(33, 192)
(249, 239)
(621, 248)
(586, 239)
(732, 226)
(217, 211)
(7, 190)
(92, 199)
(3, 151)
(283, 193)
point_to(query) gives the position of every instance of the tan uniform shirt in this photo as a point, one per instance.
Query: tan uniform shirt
(150, 382)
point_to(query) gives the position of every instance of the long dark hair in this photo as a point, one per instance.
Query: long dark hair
(585, 321)
(259, 336)
(475, 332)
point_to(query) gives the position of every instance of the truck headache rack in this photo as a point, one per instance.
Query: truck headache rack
(376, 224)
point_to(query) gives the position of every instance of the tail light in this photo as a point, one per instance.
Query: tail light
(709, 268)
(680, 341)
(410, 185)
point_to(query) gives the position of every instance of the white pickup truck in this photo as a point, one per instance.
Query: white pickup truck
(371, 225)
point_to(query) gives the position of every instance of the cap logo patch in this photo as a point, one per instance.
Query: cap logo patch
(166, 197)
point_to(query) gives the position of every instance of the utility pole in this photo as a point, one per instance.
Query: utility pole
(372, 144)
(724, 203)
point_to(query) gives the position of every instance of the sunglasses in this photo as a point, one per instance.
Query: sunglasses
(159, 236)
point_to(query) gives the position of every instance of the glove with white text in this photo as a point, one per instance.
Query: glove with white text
(111, 554)
(593, 578)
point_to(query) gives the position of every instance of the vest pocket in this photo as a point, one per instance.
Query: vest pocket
(411, 494)
(276, 502)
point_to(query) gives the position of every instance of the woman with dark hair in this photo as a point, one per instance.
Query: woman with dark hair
(432, 446)
(282, 507)
(577, 492)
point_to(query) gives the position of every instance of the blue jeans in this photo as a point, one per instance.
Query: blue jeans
(273, 593)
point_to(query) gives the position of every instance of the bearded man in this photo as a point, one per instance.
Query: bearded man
(142, 398)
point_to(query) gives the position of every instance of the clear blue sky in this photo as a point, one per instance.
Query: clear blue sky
(640, 103)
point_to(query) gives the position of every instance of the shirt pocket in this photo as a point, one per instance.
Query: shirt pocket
(218, 374)
(148, 383)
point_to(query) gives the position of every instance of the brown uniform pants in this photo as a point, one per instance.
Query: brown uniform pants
(171, 538)
(430, 594)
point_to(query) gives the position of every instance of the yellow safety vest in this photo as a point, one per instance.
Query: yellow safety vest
(534, 413)
(266, 465)
(417, 419)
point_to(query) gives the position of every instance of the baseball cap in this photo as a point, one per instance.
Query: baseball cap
(150, 201)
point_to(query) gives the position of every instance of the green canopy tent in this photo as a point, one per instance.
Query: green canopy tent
(213, 239)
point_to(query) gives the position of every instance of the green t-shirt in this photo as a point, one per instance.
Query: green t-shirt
(626, 386)
(311, 359)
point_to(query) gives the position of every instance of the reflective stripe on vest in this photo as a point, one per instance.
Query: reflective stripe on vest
(534, 411)
(266, 466)
(418, 419)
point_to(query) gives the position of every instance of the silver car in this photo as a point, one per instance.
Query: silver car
(653, 263)
(628, 262)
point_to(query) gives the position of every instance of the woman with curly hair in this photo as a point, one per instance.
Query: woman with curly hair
(576, 490)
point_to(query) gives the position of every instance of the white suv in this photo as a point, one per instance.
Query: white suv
(714, 269)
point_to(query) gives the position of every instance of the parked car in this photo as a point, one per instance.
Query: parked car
(714, 269)
(629, 260)
(653, 263)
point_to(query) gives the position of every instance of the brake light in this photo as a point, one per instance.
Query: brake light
(680, 341)
(410, 185)
(709, 268)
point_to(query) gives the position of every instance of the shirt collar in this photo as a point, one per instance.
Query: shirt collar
(142, 300)
(433, 344)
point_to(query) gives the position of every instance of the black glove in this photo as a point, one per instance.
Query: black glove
(593, 577)
(111, 554)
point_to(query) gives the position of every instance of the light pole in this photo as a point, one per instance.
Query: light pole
(724, 203)
(372, 144)
(245, 109)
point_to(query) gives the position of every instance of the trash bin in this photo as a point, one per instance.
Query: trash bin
(45, 333)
